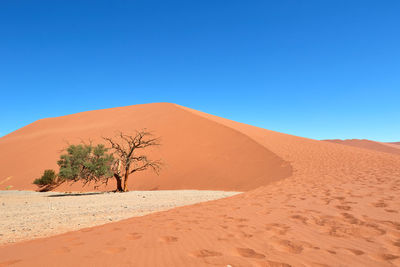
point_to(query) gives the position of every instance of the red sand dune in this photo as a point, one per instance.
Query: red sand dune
(198, 153)
(339, 207)
(393, 148)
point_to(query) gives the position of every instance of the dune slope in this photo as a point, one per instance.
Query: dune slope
(198, 153)
(368, 144)
(340, 207)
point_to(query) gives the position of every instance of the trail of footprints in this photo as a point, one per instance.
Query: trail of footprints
(339, 222)
(343, 225)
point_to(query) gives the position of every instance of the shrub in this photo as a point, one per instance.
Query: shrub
(49, 177)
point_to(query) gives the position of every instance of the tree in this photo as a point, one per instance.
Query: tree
(83, 162)
(128, 161)
(87, 163)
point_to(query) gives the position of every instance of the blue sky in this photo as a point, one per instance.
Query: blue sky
(318, 69)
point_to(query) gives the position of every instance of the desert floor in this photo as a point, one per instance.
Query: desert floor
(28, 215)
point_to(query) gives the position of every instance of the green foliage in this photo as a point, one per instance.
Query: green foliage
(86, 162)
(49, 177)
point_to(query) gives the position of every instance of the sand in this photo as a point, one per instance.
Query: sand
(26, 215)
(339, 206)
(393, 148)
(197, 152)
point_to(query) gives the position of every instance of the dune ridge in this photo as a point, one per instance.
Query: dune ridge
(339, 207)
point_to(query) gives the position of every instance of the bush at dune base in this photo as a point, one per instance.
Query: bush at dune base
(49, 177)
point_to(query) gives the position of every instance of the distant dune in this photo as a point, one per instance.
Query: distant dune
(317, 203)
(393, 148)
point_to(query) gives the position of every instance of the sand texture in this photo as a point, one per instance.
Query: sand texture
(338, 206)
(393, 148)
(27, 215)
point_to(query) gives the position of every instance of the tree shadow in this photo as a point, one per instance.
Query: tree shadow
(77, 194)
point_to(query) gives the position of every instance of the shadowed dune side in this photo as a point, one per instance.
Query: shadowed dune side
(308, 156)
(198, 153)
(368, 144)
(340, 207)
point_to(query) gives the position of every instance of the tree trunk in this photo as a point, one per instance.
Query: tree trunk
(119, 182)
(126, 180)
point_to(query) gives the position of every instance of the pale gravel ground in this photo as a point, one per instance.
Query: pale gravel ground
(27, 215)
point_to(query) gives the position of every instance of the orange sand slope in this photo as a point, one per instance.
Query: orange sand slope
(339, 207)
(198, 153)
(393, 148)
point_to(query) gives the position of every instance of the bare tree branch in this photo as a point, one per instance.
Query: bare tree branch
(127, 158)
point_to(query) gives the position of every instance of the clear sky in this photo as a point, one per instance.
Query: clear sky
(318, 69)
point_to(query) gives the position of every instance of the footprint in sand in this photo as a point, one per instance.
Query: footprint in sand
(394, 225)
(300, 218)
(305, 244)
(241, 220)
(226, 238)
(287, 246)
(280, 229)
(343, 207)
(340, 198)
(204, 253)
(114, 250)
(391, 211)
(351, 219)
(242, 234)
(169, 239)
(396, 243)
(385, 257)
(356, 252)
(249, 253)
(134, 236)
(380, 204)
